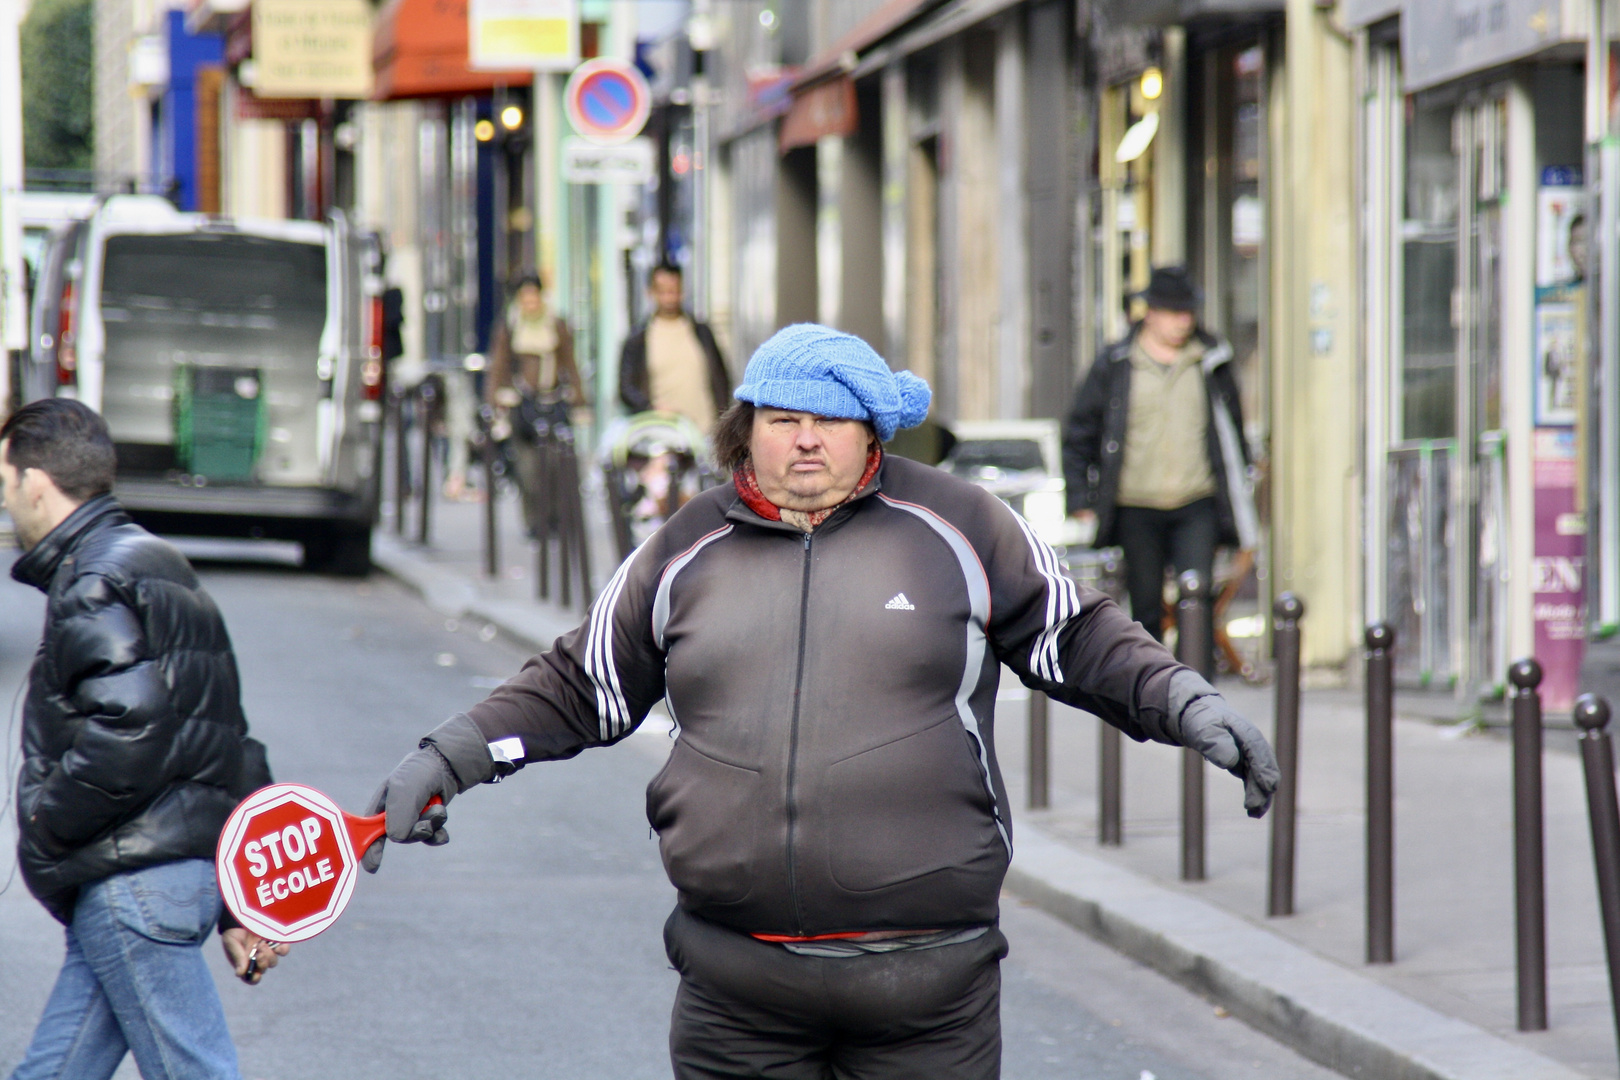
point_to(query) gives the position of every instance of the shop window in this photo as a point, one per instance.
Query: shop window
(1429, 258)
(1246, 269)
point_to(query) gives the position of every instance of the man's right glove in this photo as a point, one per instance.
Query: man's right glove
(1206, 723)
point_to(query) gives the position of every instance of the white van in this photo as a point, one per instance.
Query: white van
(238, 364)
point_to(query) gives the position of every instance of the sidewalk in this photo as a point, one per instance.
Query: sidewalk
(1445, 1009)
(449, 570)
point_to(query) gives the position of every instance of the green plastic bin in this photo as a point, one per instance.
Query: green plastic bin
(219, 421)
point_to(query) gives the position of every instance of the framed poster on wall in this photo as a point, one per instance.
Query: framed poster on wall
(1558, 354)
(1561, 263)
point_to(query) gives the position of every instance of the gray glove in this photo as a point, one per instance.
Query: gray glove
(405, 795)
(449, 760)
(1206, 723)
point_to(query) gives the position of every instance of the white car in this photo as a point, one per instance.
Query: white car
(1020, 462)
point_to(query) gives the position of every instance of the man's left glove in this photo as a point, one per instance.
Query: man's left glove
(451, 759)
(1207, 724)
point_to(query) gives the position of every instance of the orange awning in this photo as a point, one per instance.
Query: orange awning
(419, 49)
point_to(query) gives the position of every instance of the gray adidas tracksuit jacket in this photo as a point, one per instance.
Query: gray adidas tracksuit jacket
(835, 768)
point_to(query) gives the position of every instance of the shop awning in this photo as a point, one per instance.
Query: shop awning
(1172, 12)
(420, 50)
(827, 108)
(250, 106)
(824, 101)
(885, 20)
(212, 16)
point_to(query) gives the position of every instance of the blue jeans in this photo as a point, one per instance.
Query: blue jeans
(135, 980)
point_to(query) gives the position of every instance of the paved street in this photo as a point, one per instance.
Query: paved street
(530, 945)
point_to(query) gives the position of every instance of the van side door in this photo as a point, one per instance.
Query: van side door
(356, 375)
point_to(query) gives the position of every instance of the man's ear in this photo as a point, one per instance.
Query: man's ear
(26, 487)
(36, 483)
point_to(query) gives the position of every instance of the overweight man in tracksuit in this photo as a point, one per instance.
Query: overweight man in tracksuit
(829, 631)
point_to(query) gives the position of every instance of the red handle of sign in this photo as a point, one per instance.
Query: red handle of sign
(365, 831)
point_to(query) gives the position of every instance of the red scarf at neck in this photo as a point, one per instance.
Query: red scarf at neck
(747, 485)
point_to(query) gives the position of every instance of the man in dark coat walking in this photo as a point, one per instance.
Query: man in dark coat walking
(1153, 448)
(672, 363)
(135, 751)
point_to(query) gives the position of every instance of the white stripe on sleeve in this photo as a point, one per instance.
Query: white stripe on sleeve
(613, 712)
(1062, 604)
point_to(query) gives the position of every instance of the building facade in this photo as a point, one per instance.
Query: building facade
(1491, 527)
(979, 188)
(1400, 212)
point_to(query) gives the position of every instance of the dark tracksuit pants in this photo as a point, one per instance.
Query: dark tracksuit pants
(748, 1008)
(1152, 540)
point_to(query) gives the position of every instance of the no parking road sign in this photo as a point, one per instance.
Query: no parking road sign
(288, 858)
(607, 100)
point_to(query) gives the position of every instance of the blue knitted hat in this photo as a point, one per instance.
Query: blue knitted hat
(816, 369)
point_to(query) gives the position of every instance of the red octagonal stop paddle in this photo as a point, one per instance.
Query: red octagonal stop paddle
(288, 858)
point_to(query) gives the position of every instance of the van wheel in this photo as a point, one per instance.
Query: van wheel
(338, 549)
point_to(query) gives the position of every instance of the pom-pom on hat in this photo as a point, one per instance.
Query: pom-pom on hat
(811, 368)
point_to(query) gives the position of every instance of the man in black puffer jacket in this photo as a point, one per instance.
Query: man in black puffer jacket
(135, 751)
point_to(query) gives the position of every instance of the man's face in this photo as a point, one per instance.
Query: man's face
(531, 301)
(665, 289)
(807, 462)
(23, 501)
(1169, 328)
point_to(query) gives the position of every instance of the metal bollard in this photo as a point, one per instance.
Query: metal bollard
(1193, 640)
(1597, 755)
(1040, 753)
(576, 500)
(1110, 786)
(424, 407)
(1529, 881)
(1380, 638)
(1286, 613)
(402, 462)
(542, 500)
(564, 476)
(492, 550)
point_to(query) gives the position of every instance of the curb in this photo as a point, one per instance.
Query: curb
(1330, 1014)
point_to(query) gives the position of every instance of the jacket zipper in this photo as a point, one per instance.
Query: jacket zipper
(793, 745)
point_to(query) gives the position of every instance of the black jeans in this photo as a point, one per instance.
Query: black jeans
(750, 1008)
(1155, 539)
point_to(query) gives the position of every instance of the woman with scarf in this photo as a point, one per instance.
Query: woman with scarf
(532, 381)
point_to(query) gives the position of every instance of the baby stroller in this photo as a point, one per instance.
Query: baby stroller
(653, 463)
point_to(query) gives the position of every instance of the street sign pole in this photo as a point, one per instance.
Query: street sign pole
(607, 102)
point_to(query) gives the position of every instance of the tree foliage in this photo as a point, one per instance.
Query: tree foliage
(57, 83)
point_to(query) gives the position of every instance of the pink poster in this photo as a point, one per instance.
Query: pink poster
(1558, 570)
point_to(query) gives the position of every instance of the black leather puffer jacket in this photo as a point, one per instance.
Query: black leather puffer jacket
(134, 744)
